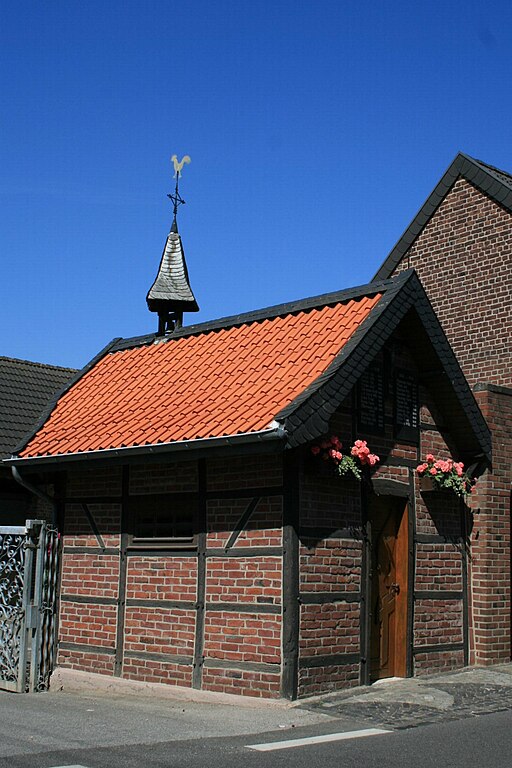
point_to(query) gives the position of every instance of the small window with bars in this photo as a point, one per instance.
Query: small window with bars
(406, 409)
(163, 521)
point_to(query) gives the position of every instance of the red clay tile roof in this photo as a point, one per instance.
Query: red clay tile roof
(210, 384)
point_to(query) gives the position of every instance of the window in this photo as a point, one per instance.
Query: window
(406, 406)
(370, 400)
(163, 521)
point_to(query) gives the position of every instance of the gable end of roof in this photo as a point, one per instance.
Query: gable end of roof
(307, 417)
(490, 181)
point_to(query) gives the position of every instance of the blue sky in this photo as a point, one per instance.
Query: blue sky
(316, 131)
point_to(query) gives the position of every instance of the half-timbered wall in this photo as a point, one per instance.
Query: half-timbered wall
(207, 616)
(331, 563)
(271, 598)
(335, 552)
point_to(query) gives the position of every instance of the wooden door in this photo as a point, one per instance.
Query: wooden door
(389, 571)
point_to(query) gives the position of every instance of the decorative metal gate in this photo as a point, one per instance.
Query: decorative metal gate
(28, 605)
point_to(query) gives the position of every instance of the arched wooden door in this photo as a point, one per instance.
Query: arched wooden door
(389, 582)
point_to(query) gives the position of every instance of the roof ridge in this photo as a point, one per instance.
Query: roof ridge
(265, 313)
(490, 167)
(301, 397)
(36, 364)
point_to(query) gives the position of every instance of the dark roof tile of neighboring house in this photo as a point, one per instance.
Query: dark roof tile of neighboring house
(26, 388)
(493, 182)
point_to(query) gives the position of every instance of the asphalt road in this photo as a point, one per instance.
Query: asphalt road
(52, 732)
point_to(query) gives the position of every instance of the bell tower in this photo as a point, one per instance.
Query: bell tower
(171, 295)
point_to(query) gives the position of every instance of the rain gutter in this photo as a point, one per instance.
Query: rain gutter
(275, 433)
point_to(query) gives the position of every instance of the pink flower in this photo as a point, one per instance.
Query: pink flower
(360, 449)
(315, 450)
(336, 442)
(430, 458)
(433, 471)
(458, 469)
(421, 468)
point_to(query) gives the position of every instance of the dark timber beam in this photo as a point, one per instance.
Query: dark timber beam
(291, 608)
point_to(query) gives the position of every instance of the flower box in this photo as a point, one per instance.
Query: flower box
(427, 485)
(444, 475)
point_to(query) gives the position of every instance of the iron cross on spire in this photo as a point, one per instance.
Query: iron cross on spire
(176, 198)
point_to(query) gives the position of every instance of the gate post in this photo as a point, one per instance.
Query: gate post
(36, 532)
(32, 528)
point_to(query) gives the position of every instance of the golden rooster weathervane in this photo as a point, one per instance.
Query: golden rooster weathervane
(178, 166)
(176, 198)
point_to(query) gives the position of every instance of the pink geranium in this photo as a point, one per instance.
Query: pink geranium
(329, 449)
(447, 474)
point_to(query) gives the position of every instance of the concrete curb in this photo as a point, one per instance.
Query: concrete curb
(66, 680)
(418, 690)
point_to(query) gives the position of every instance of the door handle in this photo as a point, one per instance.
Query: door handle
(395, 589)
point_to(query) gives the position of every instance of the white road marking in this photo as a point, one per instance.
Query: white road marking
(318, 739)
(69, 766)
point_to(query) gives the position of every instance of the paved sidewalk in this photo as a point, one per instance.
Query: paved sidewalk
(399, 703)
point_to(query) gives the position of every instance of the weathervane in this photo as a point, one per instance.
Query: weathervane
(176, 198)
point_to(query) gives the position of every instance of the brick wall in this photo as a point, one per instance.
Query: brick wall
(440, 632)
(243, 591)
(332, 642)
(90, 574)
(329, 583)
(209, 616)
(463, 258)
(490, 561)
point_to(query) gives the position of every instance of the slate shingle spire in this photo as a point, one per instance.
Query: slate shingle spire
(171, 294)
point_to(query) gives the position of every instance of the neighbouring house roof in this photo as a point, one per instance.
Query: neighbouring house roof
(26, 388)
(279, 372)
(491, 181)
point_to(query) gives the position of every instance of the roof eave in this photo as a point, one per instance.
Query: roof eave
(276, 434)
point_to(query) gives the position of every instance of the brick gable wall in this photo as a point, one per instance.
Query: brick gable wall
(463, 258)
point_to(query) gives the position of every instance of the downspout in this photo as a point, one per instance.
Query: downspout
(37, 491)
